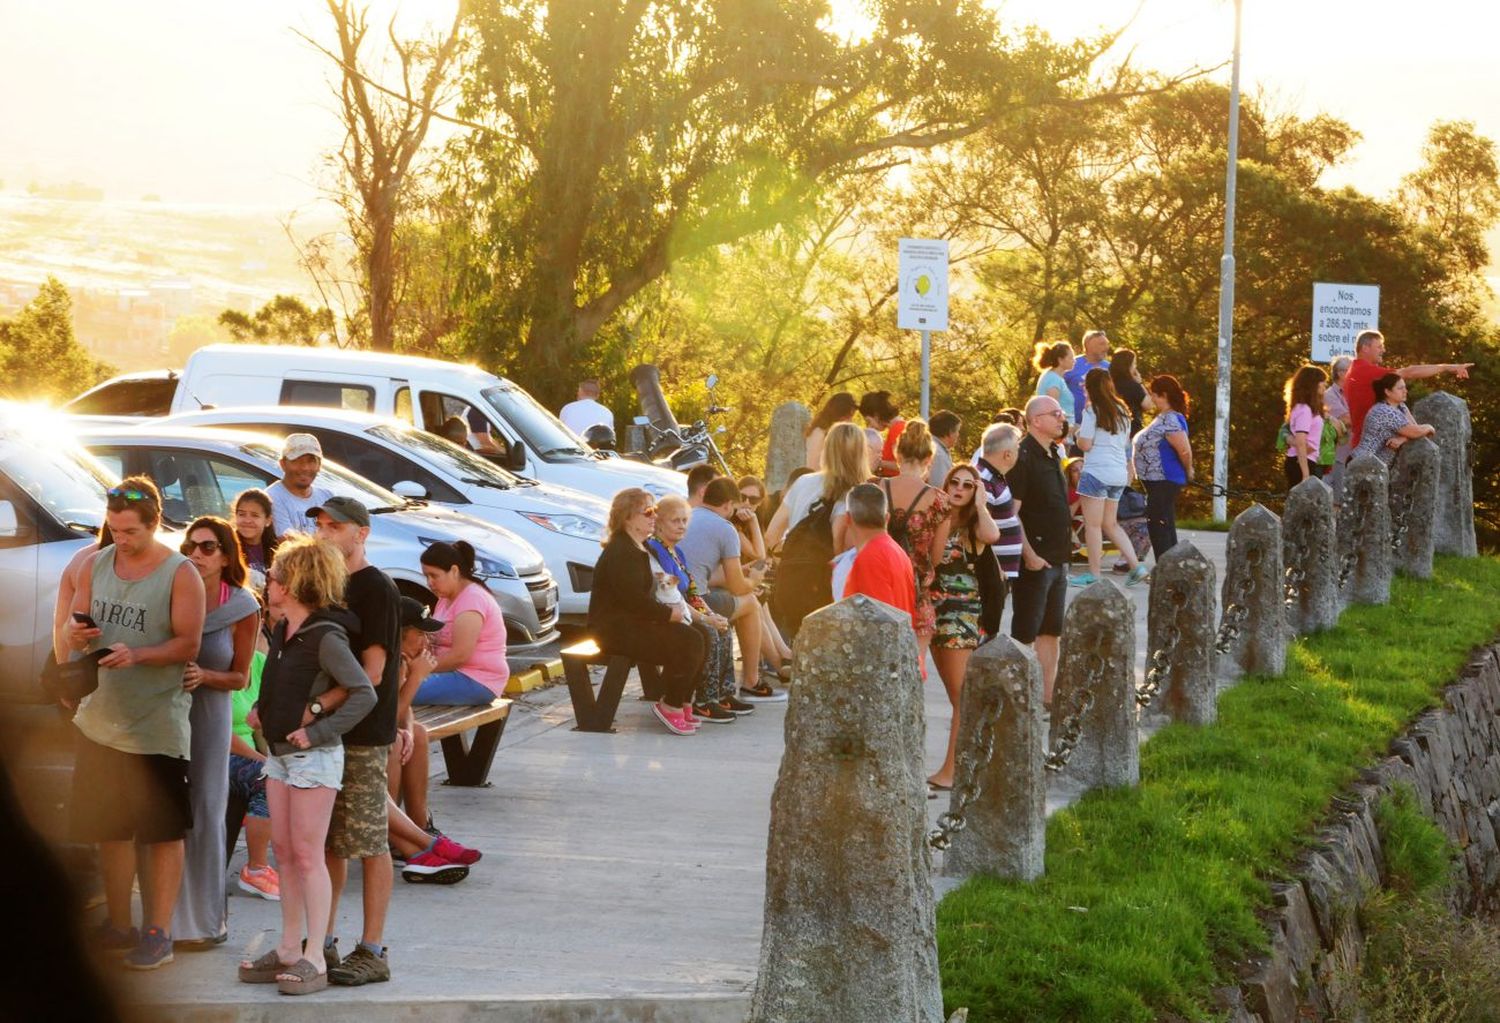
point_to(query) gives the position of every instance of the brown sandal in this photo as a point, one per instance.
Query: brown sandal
(263, 970)
(308, 979)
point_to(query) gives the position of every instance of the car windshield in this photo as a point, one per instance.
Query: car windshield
(70, 484)
(543, 432)
(341, 481)
(446, 456)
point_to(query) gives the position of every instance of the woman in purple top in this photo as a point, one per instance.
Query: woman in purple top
(1304, 417)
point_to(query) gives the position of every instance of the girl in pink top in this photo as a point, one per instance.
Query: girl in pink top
(1304, 416)
(470, 649)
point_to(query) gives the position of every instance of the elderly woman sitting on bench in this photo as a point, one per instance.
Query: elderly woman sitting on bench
(626, 618)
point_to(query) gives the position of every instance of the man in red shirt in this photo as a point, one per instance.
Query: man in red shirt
(876, 566)
(1359, 392)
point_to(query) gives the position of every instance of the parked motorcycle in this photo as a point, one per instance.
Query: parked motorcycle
(662, 440)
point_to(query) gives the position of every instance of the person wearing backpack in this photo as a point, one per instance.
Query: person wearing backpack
(919, 521)
(802, 528)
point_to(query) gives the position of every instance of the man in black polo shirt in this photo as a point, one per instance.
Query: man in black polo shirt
(359, 824)
(1041, 500)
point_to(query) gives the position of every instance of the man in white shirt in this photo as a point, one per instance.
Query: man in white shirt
(579, 415)
(295, 492)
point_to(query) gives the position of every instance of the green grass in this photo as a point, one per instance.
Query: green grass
(1151, 893)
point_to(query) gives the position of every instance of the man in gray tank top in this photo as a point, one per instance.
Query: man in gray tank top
(143, 603)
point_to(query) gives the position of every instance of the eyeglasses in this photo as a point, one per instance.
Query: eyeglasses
(126, 494)
(206, 546)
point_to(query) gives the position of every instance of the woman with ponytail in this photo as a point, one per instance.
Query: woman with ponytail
(470, 649)
(1053, 360)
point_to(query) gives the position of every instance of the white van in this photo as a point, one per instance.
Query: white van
(529, 439)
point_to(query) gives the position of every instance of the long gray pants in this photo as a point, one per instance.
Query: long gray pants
(202, 910)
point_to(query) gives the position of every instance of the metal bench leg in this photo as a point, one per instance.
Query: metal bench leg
(609, 693)
(469, 761)
(581, 692)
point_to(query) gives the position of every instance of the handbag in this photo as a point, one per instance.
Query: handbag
(72, 680)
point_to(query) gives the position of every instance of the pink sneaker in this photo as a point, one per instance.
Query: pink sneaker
(452, 851)
(688, 715)
(673, 719)
(263, 882)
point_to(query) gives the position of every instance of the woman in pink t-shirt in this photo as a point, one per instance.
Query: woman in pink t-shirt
(470, 649)
(1304, 416)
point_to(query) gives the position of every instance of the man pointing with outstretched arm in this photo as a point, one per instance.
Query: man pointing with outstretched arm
(1359, 390)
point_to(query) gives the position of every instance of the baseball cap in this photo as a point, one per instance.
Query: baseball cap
(298, 444)
(342, 509)
(414, 616)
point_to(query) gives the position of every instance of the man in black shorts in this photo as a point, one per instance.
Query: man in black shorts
(1041, 501)
(139, 605)
(358, 827)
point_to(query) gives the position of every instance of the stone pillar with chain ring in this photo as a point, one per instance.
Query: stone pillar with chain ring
(850, 931)
(1308, 558)
(999, 787)
(1453, 530)
(1252, 632)
(1180, 624)
(1364, 533)
(1414, 506)
(1094, 734)
(786, 448)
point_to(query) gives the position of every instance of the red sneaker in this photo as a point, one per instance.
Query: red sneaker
(455, 853)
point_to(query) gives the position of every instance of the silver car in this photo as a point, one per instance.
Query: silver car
(200, 471)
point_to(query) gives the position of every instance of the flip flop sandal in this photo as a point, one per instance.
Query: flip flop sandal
(308, 979)
(263, 970)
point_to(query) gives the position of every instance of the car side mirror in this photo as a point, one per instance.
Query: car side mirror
(10, 523)
(515, 457)
(409, 488)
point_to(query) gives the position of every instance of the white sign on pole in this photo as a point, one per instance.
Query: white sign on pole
(922, 299)
(1340, 312)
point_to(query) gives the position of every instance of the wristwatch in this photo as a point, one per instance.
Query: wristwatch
(317, 708)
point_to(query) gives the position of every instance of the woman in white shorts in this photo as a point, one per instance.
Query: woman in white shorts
(309, 655)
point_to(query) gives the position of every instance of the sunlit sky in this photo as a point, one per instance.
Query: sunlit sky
(213, 101)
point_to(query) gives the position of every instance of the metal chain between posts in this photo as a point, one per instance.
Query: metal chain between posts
(1072, 725)
(1237, 611)
(1159, 664)
(954, 821)
(1352, 537)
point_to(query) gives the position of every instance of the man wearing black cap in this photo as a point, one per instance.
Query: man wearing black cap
(359, 824)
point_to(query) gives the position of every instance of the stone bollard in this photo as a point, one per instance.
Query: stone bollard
(1252, 632)
(1307, 557)
(1453, 530)
(1094, 721)
(1364, 533)
(786, 448)
(1001, 744)
(850, 924)
(1180, 627)
(1414, 506)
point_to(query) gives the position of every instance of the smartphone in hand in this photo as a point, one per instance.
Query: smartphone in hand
(84, 620)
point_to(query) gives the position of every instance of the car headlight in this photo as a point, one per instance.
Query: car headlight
(568, 525)
(484, 564)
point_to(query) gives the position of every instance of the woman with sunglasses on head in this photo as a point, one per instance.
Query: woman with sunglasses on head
(626, 618)
(958, 596)
(221, 667)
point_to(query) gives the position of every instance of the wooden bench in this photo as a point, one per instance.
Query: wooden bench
(468, 760)
(597, 713)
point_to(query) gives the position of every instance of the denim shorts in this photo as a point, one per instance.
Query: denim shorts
(1088, 486)
(318, 768)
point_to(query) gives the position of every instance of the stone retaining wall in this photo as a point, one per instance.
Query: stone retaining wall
(1451, 757)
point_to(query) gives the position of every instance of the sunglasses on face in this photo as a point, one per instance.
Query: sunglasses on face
(206, 546)
(963, 484)
(650, 513)
(752, 498)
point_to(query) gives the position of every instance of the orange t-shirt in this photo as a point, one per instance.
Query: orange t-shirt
(888, 450)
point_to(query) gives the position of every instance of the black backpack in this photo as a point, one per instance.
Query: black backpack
(804, 578)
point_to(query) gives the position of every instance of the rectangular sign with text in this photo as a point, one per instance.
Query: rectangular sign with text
(1340, 312)
(922, 296)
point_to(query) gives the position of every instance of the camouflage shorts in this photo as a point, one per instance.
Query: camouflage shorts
(358, 826)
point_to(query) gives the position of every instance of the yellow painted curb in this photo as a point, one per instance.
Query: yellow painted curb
(525, 681)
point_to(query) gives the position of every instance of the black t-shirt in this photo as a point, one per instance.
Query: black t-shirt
(376, 603)
(1037, 482)
(1133, 393)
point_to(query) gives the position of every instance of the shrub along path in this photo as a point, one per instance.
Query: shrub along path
(1150, 893)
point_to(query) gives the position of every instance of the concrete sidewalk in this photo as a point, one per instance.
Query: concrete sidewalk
(623, 880)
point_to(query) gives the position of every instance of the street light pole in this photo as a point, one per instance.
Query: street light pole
(1226, 290)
